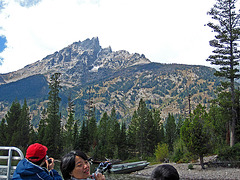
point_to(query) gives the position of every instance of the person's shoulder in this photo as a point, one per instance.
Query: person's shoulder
(23, 163)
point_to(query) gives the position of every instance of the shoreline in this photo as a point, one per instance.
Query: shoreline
(210, 173)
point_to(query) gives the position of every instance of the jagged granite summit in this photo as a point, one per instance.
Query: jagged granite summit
(79, 63)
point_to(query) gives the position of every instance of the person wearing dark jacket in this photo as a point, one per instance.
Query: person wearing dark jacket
(36, 165)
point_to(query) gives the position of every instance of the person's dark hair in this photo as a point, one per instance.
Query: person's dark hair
(165, 172)
(38, 162)
(68, 162)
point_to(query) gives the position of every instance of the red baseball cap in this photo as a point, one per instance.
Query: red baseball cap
(36, 152)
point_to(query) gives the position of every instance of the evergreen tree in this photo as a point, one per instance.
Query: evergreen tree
(159, 127)
(150, 135)
(132, 134)
(42, 126)
(122, 144)
(114, 134)
(142, 132)
(197, 132)
(33, 137)
(24, 126)
(83, 141)
(103, 138)
(171, 131)
(220, 113)
(3, 133)
(52, 136)
(179, 125)
(226, 53)
(16, 130)
(162, 134)
(91, 122)
(142, 113)
(12, 118)
(69, 127)
(92, 130)
(218, 117)
(75, 136)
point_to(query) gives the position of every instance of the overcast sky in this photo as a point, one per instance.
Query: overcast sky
(165, 31)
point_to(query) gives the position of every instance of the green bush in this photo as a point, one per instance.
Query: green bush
(190, 166)
(188, 157)
(150, 158)
(230, 153)
(161, 152)
(177, 156)
(179, 152)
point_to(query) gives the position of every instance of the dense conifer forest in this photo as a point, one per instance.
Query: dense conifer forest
(147, 136)
(210, 127)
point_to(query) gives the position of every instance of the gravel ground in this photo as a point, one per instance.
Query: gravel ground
(216, 173)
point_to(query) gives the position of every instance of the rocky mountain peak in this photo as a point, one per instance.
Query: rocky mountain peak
(78, 63)
(91, 44)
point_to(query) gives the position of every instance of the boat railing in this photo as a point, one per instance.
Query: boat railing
(6, 160)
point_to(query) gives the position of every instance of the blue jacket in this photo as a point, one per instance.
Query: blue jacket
(27, 170)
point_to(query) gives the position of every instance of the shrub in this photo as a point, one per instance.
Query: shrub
(190, 166)
(179, 152)
(230, 153)
(177, 155)
(161, 152)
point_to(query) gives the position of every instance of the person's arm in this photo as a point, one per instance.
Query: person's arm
(51, 165)
(55, 174)
(51, 174)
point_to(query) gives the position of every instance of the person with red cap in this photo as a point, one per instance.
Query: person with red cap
(35, 165)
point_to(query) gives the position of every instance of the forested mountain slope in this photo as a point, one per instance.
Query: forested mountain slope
(108, 78)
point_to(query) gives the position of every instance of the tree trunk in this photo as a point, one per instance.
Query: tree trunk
(234, 115)
(232, 132)
(228, 124)
(201, 161)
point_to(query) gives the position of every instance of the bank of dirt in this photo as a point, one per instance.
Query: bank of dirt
(209, 173)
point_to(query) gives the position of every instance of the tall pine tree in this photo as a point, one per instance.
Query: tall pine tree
(52, 136)
(12, 118)
(92, 130)
(159, 127)
(42, 126)
(150, 135)
(103, 136)
(142, 132)
(114, 133)
(122, 144)
(3, 133)
(142, 112)
(132, 134)
(76, 135)
(69, 127)
(226, 53)
(15, 127)
(24, 126)
(171, 131)
(83, 141)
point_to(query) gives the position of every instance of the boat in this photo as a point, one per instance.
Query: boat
(126, 168)
(8, 155)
